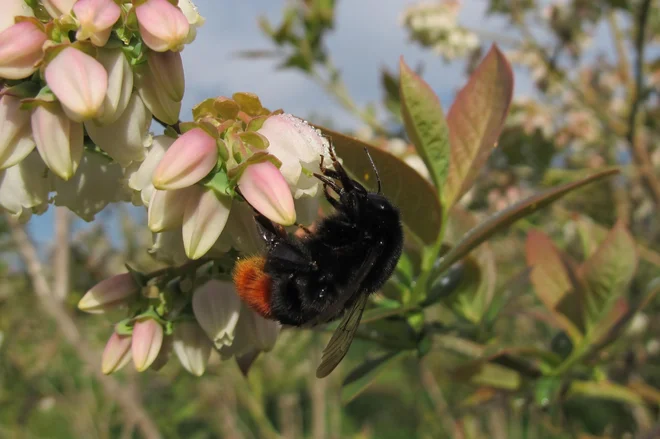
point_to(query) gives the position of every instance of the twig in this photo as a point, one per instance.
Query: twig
(620, 46)
(126, 400)
(317, 394)
(451, 427)
(62, 255)
(639, 151)
(337, 88)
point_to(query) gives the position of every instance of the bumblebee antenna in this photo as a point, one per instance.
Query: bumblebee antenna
(373, 165)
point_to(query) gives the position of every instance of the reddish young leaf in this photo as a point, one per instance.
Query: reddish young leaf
(549, 276)
(475, 121)
(608, 271)
(425, 123)
(555, 281)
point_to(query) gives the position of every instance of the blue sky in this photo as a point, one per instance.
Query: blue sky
(367, 36)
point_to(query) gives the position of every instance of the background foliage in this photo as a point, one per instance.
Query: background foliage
(549, 330)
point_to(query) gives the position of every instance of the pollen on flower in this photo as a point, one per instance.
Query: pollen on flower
(253, 284)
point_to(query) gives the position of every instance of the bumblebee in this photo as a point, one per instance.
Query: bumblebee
(330, 272)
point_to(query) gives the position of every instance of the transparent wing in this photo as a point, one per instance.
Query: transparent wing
(341, 340)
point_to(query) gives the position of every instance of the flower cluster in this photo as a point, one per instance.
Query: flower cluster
(194, 185)
(79, 83)
(211, 316)
(435, 25)
(200, 189)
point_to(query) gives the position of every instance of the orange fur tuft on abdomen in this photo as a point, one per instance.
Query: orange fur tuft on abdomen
(253, 285)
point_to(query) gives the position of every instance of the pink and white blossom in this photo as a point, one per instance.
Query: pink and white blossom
(79, 82)
(21, 49)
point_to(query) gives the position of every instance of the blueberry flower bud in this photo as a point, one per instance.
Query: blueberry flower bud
(204, 218)
(109, 293)
(190, 158)
(21, 50)
(162, 25)
(80, 83)
(265, 188)
(117, 353)
(146, 343)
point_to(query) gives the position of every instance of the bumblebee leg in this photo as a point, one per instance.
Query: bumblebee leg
(333, 201)
(270, 232)
(303, 228)
(329, 182)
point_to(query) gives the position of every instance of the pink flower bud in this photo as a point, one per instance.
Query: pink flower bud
(264, 187)
(109, 293)
(96, 18)
(80, 83)
(217, 307)
(21, 50)
(15, 137)
(167, 70)
(12, 9)
(166, 208)
(192, 347)
(117, 353)
(162, 25)
(147, 341)
(57, 8)
(297, 145)
(188, 160)
(59, 140)
(204, 218)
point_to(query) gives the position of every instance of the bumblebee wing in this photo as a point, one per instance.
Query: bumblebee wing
(342, 338)
(353, 288)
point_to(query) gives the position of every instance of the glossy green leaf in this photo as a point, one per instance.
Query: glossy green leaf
(511, 214)
(555, 283)
(365, 374)
(410, 192)
(608, 271)
(425, 123)
(475, 121)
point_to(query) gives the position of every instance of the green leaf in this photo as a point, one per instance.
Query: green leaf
(608, 326)
(555, 283)
(511, 214)
(604, 390)
(364, 375)
(375, 314)
(410, 192)
(488, 374)
(464, 295)
(608, 271)
(425, 123)
(475, 121)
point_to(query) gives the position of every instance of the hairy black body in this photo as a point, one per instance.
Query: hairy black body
(312, 273)
(329, 273)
